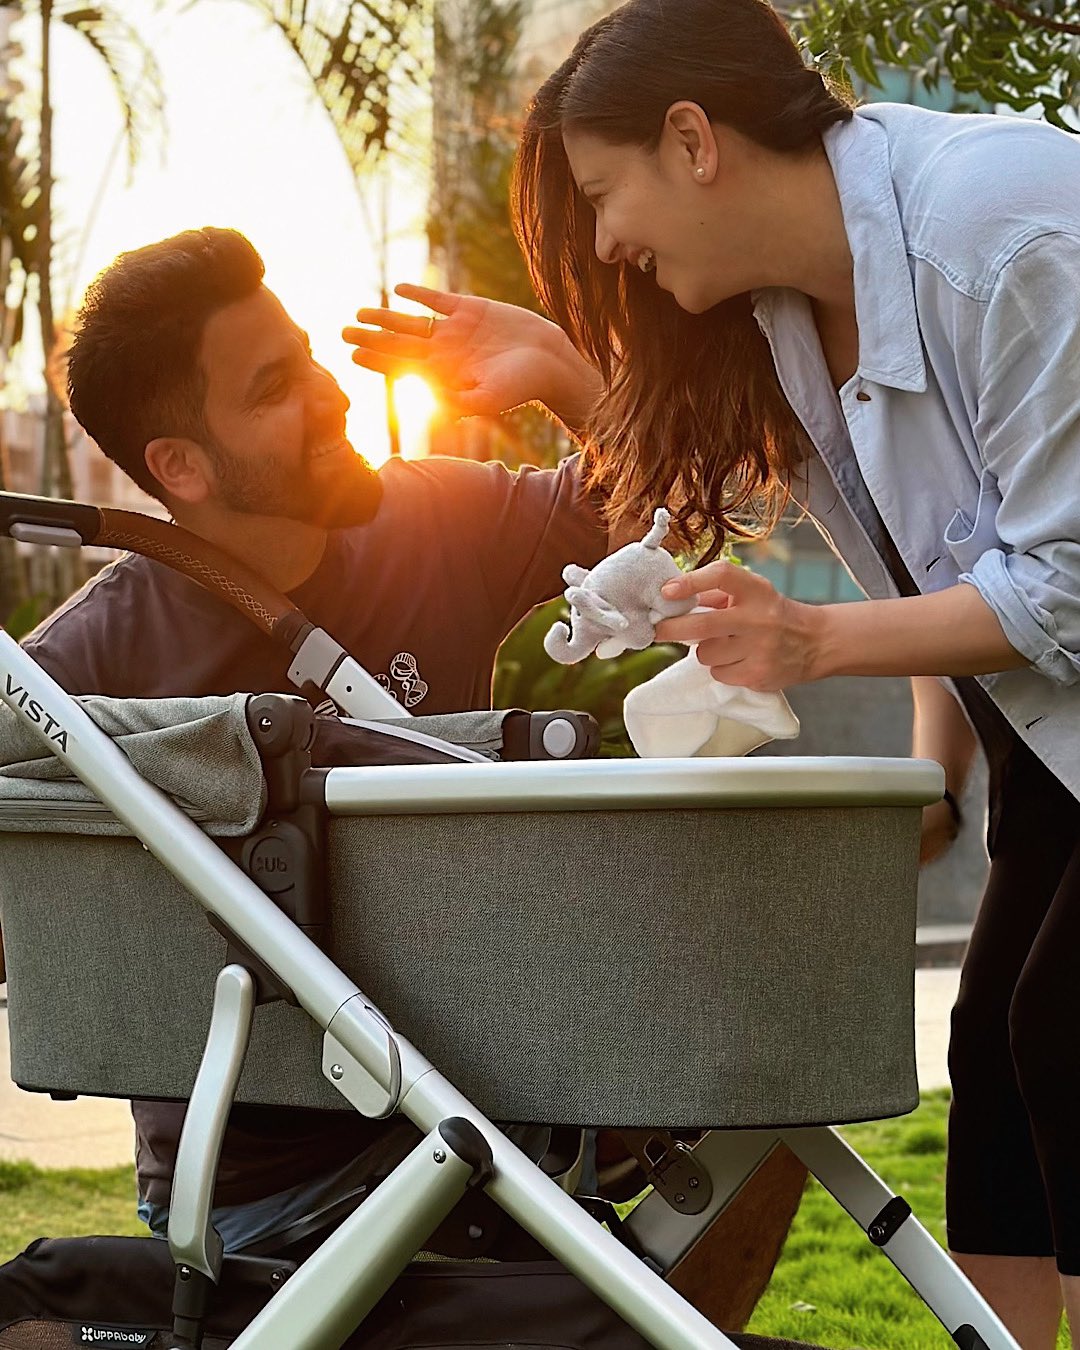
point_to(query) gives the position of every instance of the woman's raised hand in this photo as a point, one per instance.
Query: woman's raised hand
(482, 357)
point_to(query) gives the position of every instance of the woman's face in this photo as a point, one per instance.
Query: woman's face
(676, 212)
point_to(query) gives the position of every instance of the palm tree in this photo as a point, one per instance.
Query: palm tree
(366, 62)
(136, 79)
(19, 219)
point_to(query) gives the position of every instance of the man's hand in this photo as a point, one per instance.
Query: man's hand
(752, 635)
(483, 357)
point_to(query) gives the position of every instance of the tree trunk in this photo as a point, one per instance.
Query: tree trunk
(13, 589)
(55, 468)
(65, 567)
(452, 112)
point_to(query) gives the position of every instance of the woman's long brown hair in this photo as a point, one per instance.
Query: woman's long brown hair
(694, 415)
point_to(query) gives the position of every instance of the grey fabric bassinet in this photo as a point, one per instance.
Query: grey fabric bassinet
(675, 943)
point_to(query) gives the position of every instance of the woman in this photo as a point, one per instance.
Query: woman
(770, 294)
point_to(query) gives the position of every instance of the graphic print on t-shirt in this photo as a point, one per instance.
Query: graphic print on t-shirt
(404, 670)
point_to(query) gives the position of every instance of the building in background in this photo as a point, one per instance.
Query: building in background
(95, 478)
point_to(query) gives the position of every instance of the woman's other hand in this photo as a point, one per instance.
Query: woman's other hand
(939, 829)
(481, 356)
(751, 635)
(940, 731)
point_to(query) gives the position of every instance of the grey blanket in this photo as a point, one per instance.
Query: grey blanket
(198, 751)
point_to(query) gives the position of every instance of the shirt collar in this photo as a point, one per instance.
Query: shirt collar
(890, 345)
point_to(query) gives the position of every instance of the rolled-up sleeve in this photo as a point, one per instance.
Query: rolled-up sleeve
(1028, 432)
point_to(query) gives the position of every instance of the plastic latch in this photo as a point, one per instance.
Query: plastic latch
(967, 1338)
(559, 738)
(882, 1228)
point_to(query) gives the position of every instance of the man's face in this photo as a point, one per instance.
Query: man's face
(276, 421)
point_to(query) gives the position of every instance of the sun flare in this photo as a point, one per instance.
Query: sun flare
(367, 421)
(416, 404)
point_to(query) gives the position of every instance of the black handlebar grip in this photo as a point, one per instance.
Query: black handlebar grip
(46, 513)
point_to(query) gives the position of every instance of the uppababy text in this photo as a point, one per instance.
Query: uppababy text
(96, 1335)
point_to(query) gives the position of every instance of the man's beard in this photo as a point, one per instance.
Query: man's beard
(351, 496)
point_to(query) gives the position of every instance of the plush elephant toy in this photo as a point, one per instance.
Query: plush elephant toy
(615, 607)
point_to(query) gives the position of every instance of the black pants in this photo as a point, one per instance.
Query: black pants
(1013, 1184)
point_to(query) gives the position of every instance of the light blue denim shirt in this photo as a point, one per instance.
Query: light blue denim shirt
(963, 417)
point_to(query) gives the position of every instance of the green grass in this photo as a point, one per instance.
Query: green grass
(73, 1203)
(830, 1286)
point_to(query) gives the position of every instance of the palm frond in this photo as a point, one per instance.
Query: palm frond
(20, 229)
(366, 60)
(132, 67)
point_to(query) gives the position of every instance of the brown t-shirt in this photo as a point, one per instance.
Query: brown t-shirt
(422, 597)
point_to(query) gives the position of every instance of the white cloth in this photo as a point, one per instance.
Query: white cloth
(683, 711)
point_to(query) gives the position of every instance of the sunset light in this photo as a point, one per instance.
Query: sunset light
(247, 145)
(416, 405)
(367, 421)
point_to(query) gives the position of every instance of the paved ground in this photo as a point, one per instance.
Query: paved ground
(935, 994)
(92, 1132)
(88, 1132)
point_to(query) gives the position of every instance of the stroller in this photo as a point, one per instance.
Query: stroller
(715, 946)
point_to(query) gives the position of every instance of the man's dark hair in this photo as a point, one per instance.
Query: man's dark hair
(133, 370)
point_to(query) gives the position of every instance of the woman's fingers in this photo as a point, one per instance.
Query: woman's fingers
(393, 321)
(715, 599)
(383, 365)
(442, 302)
(414, 349)
(722, 653)
(410, 325)
(697, 627)
(716, 576)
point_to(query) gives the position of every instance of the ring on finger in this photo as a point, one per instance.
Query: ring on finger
(430, 326)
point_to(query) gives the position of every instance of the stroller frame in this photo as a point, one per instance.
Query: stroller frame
(379, 1072)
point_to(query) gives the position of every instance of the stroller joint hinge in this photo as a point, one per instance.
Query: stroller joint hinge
(375, 1094)
(471, 1147)
(286, 853)
(191, 1301)
(967, 1338)
(883, 1227)
(671, 1169)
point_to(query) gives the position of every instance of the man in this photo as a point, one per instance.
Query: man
(189, 374)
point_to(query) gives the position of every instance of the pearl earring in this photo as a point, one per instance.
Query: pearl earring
(700, 171)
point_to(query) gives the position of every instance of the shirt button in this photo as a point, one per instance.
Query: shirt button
(863, 396)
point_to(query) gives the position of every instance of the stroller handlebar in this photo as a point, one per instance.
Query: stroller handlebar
(45, 520)
(318, 659)
(232, 581)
